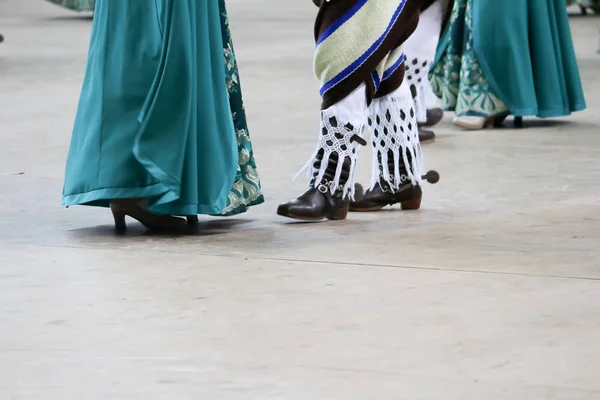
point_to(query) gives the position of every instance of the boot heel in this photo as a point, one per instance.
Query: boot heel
(412, 204)
(339, 214)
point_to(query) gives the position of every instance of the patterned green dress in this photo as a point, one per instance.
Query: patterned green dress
(457, 77)
(246, 191)
(153, 169)
(508, 57)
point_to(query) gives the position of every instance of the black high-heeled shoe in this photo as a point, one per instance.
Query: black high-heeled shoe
(133, 208)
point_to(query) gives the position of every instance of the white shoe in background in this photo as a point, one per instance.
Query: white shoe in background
(472, 123)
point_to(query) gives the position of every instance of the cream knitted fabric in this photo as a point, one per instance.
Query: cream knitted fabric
(420, 52)
(342, 129)
(393, 127)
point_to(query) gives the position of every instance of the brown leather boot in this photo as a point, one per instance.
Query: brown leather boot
(319, 202)
(408, 195)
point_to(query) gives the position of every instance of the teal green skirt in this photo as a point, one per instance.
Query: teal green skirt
(161, 114)
(77, 5)
(508, 57)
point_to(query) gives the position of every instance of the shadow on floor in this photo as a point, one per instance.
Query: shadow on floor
(75, 17)
(136, 230)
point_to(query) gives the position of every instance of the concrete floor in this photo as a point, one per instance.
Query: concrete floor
(489, 292)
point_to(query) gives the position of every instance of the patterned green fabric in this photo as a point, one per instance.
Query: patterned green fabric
(246, 189)
(77, 5)
(515, 55)
(457, 78)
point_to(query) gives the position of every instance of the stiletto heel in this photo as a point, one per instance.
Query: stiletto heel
(119, 216)
(120, 224)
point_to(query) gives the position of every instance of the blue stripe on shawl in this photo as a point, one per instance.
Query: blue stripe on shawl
(341, 21)
(394, 67)
(352, 67)
(376, 80)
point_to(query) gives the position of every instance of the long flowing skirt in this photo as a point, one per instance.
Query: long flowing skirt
(508, 57)
(161, 114)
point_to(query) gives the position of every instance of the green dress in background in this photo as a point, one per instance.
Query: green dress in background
(508, 57)
(161, 114)
(77, 5)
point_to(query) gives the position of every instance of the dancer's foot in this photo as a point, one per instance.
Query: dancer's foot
(135, 209)
(397, 159)
(409, 195)
(322, 200)
(332, 165)
(473, 123)
(314, 205)
(434, 116)
(478, 123)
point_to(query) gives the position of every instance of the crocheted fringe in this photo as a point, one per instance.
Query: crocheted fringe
(335, 138)
(425, 100)
(399, 134)
(348, 190)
